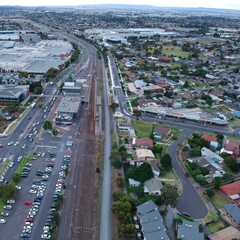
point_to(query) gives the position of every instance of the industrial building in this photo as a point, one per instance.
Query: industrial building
(194, 114)
(34, 58)
(12, 93)
(68, 110)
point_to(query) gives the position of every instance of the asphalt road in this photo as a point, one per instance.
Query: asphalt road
(105, 227)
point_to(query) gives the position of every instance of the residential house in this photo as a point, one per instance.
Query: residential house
(189, 231)
(153, 186)
(233, 212)
(124, 126)
(160, 131)
(159, 235)
(231, 146)
(146, 207)
(232, 191)
(133, 183)
(142, 142)
(151, 222)
(144, 154)
(139, 84)
(228, 233)
(211, 155)
(214, 169)
(212, 139)
(155, 168)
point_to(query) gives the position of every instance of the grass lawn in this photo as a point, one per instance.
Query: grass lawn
(4, 166)
(146, 198)
(218, 200)
(174, 51)
(235, 122)
(142, 129)
(216, 226)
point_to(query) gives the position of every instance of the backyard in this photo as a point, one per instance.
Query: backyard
(216, 226)
(218, 199)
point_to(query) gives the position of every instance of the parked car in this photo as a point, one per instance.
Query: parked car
(3, 220)
(11, 201)
(28, 203)
(7, 207)
(4, 214)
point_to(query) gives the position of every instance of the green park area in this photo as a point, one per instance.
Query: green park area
(174, 51)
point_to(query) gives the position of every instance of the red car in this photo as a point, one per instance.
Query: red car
(28, 203)
(60, 182)
(29, 220)
(186, 214)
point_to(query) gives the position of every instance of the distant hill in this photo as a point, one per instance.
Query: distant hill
(132, 7)
(150, 7)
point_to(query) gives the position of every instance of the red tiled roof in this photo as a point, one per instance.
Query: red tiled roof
(146, 142)
(232, 145)
(232, 188)
(209, 137)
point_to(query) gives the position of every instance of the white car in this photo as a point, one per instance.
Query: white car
(32, 191)
(10, 143)
(46, 236)
(11, 201)
(24, 146)
(18, 187)
(4, 221)
(16, 143)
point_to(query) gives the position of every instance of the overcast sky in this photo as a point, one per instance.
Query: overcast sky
(232, 4)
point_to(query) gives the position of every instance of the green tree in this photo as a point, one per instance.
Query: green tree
(210, 193)
(40, 105)
(119, 181)
(231, 162)
(16, 177)
(166, 162)
(170, 195)
(47, 125)
(54, 132)
(137, 113)
(186, 84)
(141, 174)
(217, 182)
(118, 195)
(195, 152)
(201, 180)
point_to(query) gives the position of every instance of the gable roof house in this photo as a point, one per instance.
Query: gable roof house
(142, 142)
(153, 186)
(161, 131)
(155, 168)
(189, 231)
(233, 212)
(212, 139)
(231, 146)
(232, 191)
(151, 222)
(144, 154)
(146, 207)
